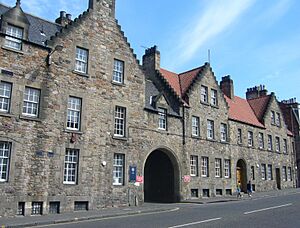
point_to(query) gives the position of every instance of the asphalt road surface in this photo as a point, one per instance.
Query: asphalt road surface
(271, 212)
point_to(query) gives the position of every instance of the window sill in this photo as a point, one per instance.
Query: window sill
(118, 83)
(224, 142)
(214, 106)
(122, 138)
(23, 117)
(13, 50)
(73, 131)
(6, 114)
(118, 185)
(212, 140)
(204, 103)
(69, 184)
(196, 137)
(81, 73)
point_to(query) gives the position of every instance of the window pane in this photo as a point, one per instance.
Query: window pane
(118, 72)
(70, 168)
(31, 102)
(81, 60)
(5, 96)
(119, 128)
(118, 169)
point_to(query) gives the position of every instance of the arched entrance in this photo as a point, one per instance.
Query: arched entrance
(161, 177)
(241, 174)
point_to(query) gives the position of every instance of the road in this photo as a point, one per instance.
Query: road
(279, 211)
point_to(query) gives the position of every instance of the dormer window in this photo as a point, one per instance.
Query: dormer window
(13, 38)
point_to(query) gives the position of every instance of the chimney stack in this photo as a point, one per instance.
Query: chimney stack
(256, 92)
(64, 18)
(111, 3)
(227, 86)
(151, 59)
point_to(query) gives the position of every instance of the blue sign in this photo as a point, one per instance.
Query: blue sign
(132, 173)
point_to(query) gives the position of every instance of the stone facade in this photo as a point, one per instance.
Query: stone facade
(38, 144)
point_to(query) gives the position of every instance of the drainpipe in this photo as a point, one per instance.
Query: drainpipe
(183, 124)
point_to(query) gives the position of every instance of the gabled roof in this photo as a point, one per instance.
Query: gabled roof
(173, 80)
(259, 106)
(39, 30)
(241, 111)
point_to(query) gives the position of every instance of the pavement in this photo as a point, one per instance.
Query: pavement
(29, 221)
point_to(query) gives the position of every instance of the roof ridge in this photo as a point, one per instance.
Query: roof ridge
(169, 71)
(259, 97)
(191, 70)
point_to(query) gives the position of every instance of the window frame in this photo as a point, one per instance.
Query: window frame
(210, 130)
(195, 126)
(204, 94)
(223, 132)
(261, 143)
(5, 155)
(240, 136)
(214, 97)
(272, 117)
(118, 71)
(120, 121)
(162, 118)
(284, 173)
(11, 38)
(74, 113)
(285, 145)
(118, 180)
(263, 171)
(5, 87)
(250, 139)
(227, 168)
(218, 167)
(71, 165)
(204, 166)
(270, 143)
(289, 174)
(194, 165)
(277, 144)
(81, 60)
(278, 119)
(269, 172)
(33, 92)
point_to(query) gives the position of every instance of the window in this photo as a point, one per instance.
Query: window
(204, 166)
(37, 208)
(162, 119)
(284, 174)
(194, 193)
(289, 174)
(81, 205)
(223, 132)
(218, 167)
(219, 192)
(74, 109)
(81, 60)
(252, 173)
(250, 138)
(278, 123)
(213, 97)
(5, 96)
(118, 171)
(260, 140)
(31, 102)
(285, 146)
(272, 117)
(5, 150)
(21, 208)
(270, 173)
(239, 136)
(210, 129)
(270, 144)
(194, 165)
(195, 126)
(54, 207)
(14, 37)
(204, 94)
(205, 192)
(71, 166)
(118, 73)
(120, 120)
(263, 171)
(277, 144)
(227, 168)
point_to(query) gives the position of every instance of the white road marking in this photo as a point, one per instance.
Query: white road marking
(194, 223)
(268, 208)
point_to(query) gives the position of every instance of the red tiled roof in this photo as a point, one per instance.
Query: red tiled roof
(186, 79)
(240, 110)
(173, 80)
(259, 105)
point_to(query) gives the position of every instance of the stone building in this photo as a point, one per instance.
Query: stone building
(84, 125)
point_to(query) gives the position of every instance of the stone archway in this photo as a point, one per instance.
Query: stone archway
(161, 177)
(241, 174)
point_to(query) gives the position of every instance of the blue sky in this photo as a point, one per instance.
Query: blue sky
(254, 41)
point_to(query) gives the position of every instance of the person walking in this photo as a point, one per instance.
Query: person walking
(238, 190)
(249, 188)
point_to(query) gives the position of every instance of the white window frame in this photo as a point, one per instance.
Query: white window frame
(260, 140)
(277, 144)
(263, 171)
(250, 138)
(162, 119)
(285, 151)
(71, 166)
(213, 97)
(194, 165)
(195, 126)
(277, 120)
(204, 93)
(118, 169)
(74, 113)
(14, 37)
(118, 71)
(31, 102)
(270, 172)
(210, 129)
(227, 168)
(120, 121)
(270, 143)
(218, 168)
(284, 173)
(223, 131)
(273, 117)
(5, 153)
(240, 136)
(289, 174)
(5, 96)
(81, 60)
(204, 166)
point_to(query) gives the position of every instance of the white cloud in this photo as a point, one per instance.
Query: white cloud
(215, 18)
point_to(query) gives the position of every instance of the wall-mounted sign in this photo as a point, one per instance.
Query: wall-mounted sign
(186, 178)
(132, 173)
(140, 179)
